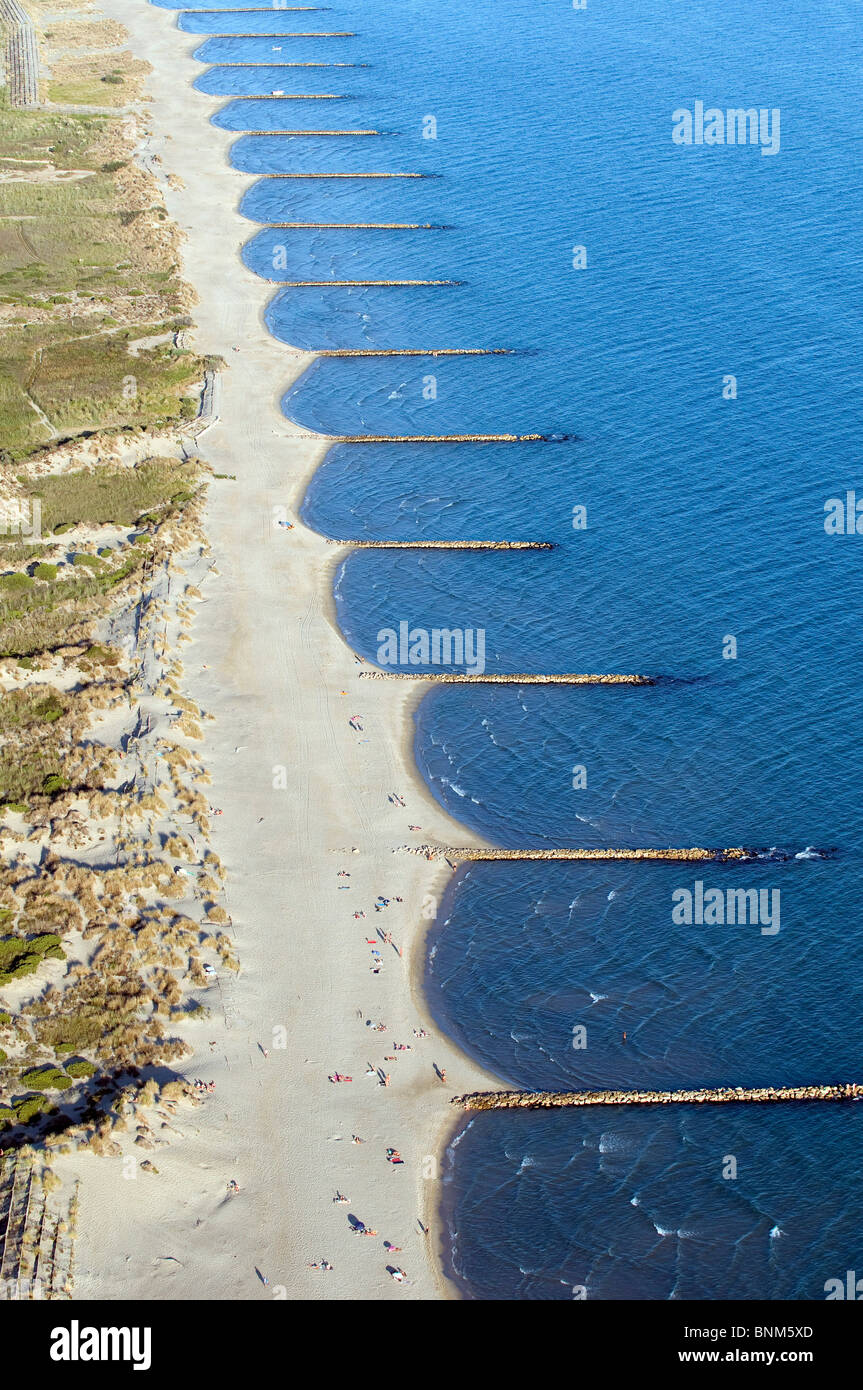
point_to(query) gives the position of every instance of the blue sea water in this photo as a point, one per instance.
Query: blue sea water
(705, 523)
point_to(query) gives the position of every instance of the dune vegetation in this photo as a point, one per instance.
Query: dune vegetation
(109, 894)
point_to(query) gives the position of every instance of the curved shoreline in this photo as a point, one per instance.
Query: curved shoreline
(274, 661)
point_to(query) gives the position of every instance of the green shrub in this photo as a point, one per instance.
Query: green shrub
(16, 581)
(79, 1066)
(20, 806)
(35, 704)
(19, 956)
(3, 1056)
(101, 656)
(45, 571)
(46, 1079)
(53, 783)
(28, 1107)
(92, 561)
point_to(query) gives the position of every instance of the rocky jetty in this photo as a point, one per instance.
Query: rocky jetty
(446, 545)
(488, 678)
(720, 1095)
(717, 856)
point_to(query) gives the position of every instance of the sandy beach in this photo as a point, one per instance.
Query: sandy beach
(304, 798)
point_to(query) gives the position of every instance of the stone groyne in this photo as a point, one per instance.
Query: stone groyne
(371, 175)
(308, 132)
(418, 352)
(333, 34)
(686, 855)
(294, 96)
(432, 438)
(459, 678)
(441, 545)
(342, 284)
(361, 227)
(718, 1095)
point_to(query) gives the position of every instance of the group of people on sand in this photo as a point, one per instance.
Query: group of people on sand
(396, 1273)
(381, 902)
(203, 1087)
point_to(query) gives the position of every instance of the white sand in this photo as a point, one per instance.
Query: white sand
(277, 665)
